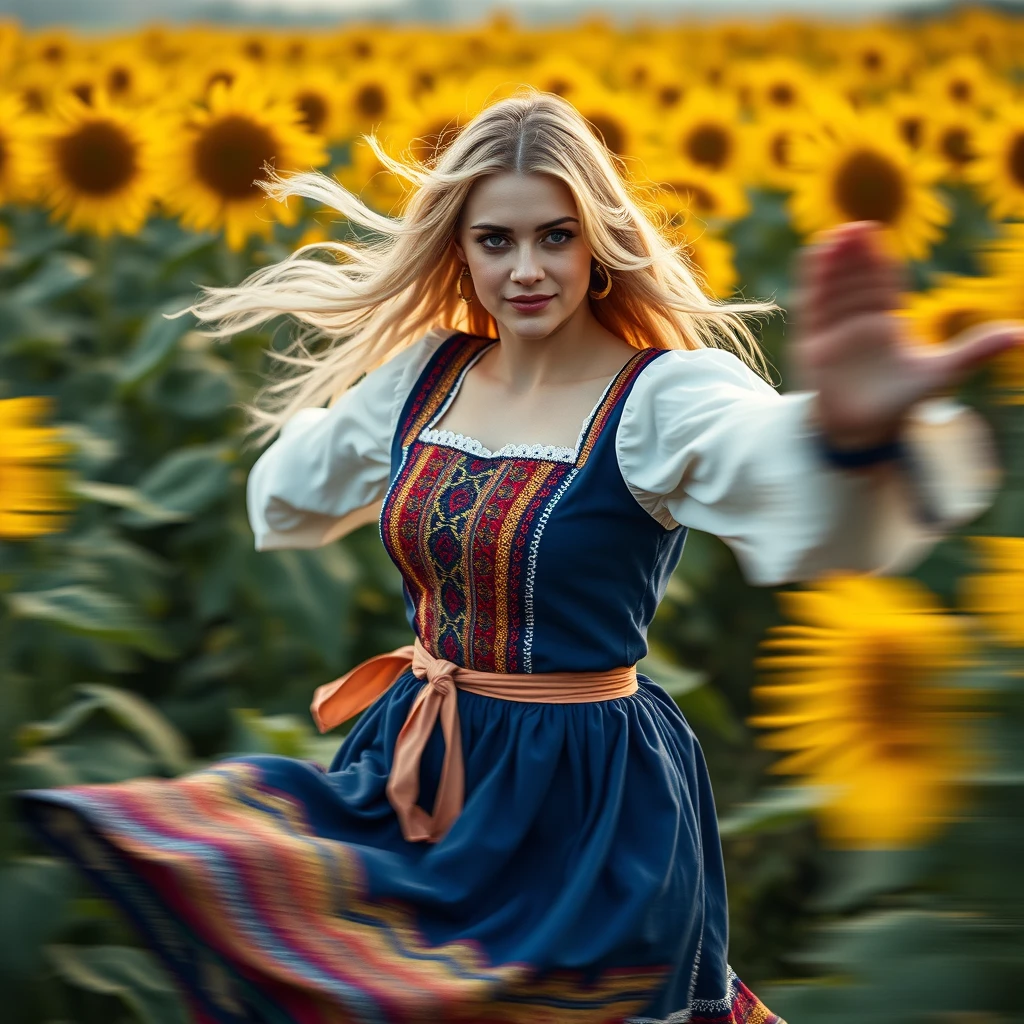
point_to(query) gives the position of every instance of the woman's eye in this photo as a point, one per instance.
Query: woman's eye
(485, 238)
(561, 231)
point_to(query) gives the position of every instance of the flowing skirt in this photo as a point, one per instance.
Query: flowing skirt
(583, 881)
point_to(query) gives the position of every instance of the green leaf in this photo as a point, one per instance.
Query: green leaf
(130, 711)
(125, 497)
(35, 894)
(676, 680)
(132, 975)
(156, 343)
(774, 809)
(185, 482)
(81, 609)
(60, 273)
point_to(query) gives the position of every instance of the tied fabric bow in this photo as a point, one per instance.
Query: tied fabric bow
(337, 701)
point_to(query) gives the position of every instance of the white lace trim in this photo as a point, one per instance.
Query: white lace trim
(470, 445)
(704, 1006)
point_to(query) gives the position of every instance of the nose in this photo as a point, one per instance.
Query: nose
(527, 267)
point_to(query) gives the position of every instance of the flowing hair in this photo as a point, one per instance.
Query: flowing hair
(382, 293)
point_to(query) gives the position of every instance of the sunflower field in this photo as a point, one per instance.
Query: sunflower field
(865, 734)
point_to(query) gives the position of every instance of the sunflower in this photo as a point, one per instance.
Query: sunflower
(712, 258)
(862, 700)
(99, 164)
(956, 303)
(427, 128)
(316, 92)
(625, 125)
(564, 76)
(954, 142)
(20, 166)
(195, 81)
(913, 117)
(212, 160)
(52, 48)
(34, 497)
(779, 85)
(705, 130)
(373, 96)
(962, 83)
(996, 595)
(875, 58)
(861, 169)
(769, 145)
(686, 188)
(998, 170)
(127, 78)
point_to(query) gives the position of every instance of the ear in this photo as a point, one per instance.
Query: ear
(460, 252)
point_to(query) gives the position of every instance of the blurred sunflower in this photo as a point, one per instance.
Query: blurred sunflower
(956, 303)
(705, 130)
(861, 169)
(51, 48)
(861, 699)
(211, 161)
(769, 146)
(686, 188)
(712, 258)
(913, 117)
(99, 164)
(564, 76)
(34, 498)
(778, 85)
(961, 83)
(19, 154)
(875, 58)
(426, 129)
(366, 177)
(996, 594)
(622, 122)
(126, 77)
(316, 92)
(374, 95)
(998, 170)
(954, 142)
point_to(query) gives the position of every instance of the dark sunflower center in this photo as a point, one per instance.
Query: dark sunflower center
(362, 49)
(782, 94)
(709, 145)
(313, 108)
(1015, 160)
(610, 130)
(229, 156)
(957, 320)
(225, 76)
(956, 145)
(97, 158)
(961, 90)
(559, 86)
(872, 60)
(371, 100)
(255, 50)
(891, 706)
(779, 149)
(33, 98)
(670, 95)
(119, 81)
(869, 187)
(3, 156)
(910, 129)
(83, 90)
(53, 53)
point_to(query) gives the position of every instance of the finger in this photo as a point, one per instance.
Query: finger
(951, 362)
(815, 265)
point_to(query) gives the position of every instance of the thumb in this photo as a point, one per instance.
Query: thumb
(957, 358)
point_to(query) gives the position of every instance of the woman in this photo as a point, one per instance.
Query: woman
(520, 827)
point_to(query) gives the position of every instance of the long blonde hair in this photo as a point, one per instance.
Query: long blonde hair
(379, 295)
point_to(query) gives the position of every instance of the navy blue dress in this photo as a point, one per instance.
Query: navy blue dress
(583, 880)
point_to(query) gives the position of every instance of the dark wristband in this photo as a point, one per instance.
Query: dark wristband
(854, 458)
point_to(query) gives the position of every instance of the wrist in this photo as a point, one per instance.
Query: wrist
(865, 448)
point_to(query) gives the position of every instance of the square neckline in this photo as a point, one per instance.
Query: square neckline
(533, 452)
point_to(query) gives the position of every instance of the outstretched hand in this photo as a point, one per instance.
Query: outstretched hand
(855, 351)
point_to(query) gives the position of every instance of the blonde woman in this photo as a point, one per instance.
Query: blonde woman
(529, 389)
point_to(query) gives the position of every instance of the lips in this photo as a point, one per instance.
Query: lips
(528, 305)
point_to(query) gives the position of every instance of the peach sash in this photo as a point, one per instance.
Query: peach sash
(337, 701)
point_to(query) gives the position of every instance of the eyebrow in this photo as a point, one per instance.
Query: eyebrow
(540, 227)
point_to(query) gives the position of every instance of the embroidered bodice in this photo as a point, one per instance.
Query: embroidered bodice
(531, 558)
(544, 558)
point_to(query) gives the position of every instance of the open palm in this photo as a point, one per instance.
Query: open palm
(854, 350)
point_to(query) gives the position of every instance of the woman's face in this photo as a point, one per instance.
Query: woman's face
(520, 236)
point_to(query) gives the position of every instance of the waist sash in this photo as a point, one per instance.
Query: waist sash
(337, 701)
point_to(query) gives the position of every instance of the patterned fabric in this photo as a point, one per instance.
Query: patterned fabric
(583, 881)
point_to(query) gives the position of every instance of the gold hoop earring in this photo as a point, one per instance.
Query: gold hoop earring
(465, 275)
(607, 287)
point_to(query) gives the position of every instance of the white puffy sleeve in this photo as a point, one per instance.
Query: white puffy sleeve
(327, 470)
(705, 442)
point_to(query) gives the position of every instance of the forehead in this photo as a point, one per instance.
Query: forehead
(518, 200)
